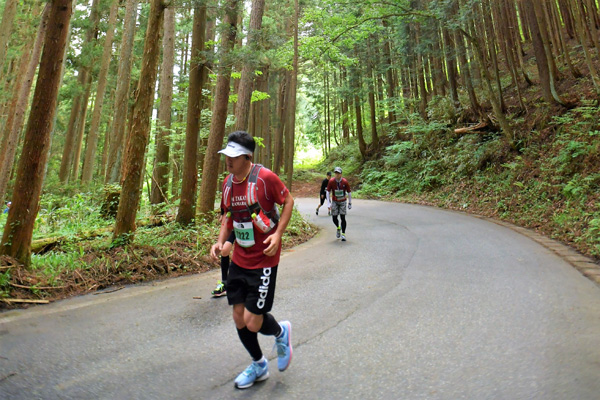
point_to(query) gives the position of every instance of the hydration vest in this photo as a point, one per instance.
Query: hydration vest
(262, 219)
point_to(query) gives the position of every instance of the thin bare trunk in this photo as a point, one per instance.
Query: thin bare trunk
(92, 139)
(160, 173)
(278, 139)
(210, 169)
(176, 158)
(372, 105)
(497, 107)
(18, 231)
(81, 130)
(291, 125)
(8, 17)
(450, 55)
(580, 34)
(540, 52)
(247, 79)
(79, 108)
(420, 73)
(121, 95)
(186, 212)
(389, 71)
(16, 116)
(138, 137)
(263, 118)
(556, 26)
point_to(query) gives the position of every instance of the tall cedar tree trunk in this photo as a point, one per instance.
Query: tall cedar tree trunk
(210, 170)
(81, 129)
(362, 145)
(505, 39)
(518, 37)
(160, 172)
(104, 157)
(175, 154)
(291, 125)
(10, 136)
(278, 138)
(285, 115)
(420, 72)
(496, 106)
(491, 46)
(581, 36)
(207, 84)
(115, 150)
(356, 80)
(557, 18)
(345, 110)
(438, 75)
(16, 114)
(8, 16)
(567, 18)
(79, 106)
(540, 52)
(242, 109)
(265, 112)
(465, 69)
(591, 21)
(138, 136)
(259, 120)
(18, 231)
(186, 212)
(389, 72)
(92, 139)
(544, 26)
(450, 56)
(372, 105)
(326, 102)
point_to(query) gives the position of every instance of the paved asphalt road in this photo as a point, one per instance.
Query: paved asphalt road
(419, 303)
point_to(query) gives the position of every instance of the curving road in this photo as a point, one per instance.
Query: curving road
(419, 303)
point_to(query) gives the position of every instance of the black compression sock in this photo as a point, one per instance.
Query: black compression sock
(250, 341)
(270, 326)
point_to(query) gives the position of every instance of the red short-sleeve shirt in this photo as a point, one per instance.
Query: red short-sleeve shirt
(334, 186)
(271, 191)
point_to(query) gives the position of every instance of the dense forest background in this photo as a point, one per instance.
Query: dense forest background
(111, 113)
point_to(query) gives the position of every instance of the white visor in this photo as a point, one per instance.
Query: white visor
(234, 149)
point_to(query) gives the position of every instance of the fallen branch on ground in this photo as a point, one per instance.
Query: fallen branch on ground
(35, 287)
(471, 129)
(25, 301)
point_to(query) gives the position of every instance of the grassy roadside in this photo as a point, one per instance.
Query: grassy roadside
(77, 267)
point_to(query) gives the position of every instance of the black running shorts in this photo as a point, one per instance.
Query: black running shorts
(255, 288)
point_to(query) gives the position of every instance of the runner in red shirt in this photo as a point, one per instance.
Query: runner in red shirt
(338, 191)
(253, 271)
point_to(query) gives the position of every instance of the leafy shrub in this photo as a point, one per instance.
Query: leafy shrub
(398, 154)
(441, 109)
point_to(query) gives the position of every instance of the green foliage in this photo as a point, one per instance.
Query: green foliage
(297, 227)
(69, 214)
(399, 154)
(258, 96)
(592, 234)
(553, 182)
(100, 256)
(345, 156)
(441, 109)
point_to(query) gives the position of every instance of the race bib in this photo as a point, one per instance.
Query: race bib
(338, 193)
(244, 233)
